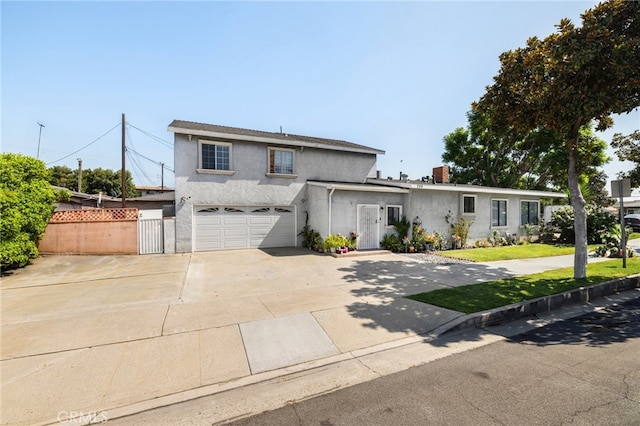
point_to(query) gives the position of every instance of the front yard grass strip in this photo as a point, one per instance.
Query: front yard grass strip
(493, 294)
(525, 251)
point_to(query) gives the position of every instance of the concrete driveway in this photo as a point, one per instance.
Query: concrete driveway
(85, 335)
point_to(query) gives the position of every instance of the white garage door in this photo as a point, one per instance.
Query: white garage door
(222, 228)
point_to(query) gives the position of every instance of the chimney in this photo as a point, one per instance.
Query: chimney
(441, 174)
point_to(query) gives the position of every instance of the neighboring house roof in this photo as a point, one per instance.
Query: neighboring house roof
(168, 195)
(154, 188)
(234, 133)
(164, 196)
(85, 196)
(358, 187)
(454, 187)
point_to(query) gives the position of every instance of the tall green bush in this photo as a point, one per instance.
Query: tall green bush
(598, 221)
(26, 205)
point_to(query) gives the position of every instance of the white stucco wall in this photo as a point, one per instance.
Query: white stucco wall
(433, 206)
(249, 184)
(317, 206)
(344, 209)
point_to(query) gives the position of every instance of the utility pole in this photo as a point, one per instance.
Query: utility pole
(161, 177)
(124, 170)
(79, 174)
(39, 136)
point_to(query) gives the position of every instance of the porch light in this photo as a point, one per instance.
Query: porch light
(417, 221)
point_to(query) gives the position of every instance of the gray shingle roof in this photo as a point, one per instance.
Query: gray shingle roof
(183, 127)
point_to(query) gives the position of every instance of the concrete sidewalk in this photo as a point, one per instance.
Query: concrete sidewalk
(112, 336)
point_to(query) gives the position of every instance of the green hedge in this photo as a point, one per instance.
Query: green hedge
(26, 205)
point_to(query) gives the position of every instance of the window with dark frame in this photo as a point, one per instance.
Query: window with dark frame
(498, 212)
(393, 215)
(529, 213)
(469, 204)
(215, 156)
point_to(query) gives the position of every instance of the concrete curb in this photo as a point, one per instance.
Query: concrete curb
(540, 305)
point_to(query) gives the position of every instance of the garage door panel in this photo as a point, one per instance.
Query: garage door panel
(210, 233)
(235, 244)
(260, 220)
(259, 232)
(209, 221)
(219, 228)
(234, 233)
(235, 220)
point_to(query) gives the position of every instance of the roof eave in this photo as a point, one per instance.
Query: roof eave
(267, 140)
(468, 188)
(359, 187)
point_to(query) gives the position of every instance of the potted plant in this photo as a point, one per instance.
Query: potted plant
(334, 242)
(429, 240)
(406, 241)
(353, 241)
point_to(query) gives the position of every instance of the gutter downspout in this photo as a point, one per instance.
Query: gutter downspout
(330, 195)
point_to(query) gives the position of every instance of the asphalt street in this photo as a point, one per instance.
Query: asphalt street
(581, 371)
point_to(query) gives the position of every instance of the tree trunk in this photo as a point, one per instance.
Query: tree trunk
(579, 213)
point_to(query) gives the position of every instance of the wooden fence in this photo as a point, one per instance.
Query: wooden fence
(99, 231)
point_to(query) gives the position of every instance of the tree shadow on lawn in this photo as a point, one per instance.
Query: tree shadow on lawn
(384, 284)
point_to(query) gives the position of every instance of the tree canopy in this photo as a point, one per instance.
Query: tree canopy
(628, 149)
(107, 181)
(511, 158)
(566, 80)
(26, 205)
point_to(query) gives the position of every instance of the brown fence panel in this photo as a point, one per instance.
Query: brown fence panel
(103, 231)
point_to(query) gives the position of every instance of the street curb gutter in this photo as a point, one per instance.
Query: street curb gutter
(544, 304)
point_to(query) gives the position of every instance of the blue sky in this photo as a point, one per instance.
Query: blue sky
(397, 76)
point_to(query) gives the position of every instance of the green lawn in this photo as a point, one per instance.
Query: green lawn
(524, 251)
(493, 294)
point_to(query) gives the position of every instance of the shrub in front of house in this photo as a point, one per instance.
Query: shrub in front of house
(598, 221)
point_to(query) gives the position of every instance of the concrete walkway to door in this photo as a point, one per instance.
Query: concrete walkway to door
(113, 335)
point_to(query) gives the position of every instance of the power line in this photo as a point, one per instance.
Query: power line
(156, 138)
(87, 145)
(139, 168)
(149, 159)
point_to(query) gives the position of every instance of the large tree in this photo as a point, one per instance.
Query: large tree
(628, 149)
(564, 81)
(26, 205)
(107, 181)
(511, 158)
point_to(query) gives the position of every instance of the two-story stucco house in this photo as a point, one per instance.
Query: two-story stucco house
(239, 188)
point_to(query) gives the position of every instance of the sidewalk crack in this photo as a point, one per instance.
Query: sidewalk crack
(166, 314)
(184, 280)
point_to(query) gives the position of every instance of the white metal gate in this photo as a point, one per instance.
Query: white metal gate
(368, 226)
(150, 232)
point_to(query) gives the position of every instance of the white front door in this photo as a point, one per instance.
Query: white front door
(368, 226)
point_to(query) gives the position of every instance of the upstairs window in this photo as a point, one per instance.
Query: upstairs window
(281, 161)
(215, 156)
